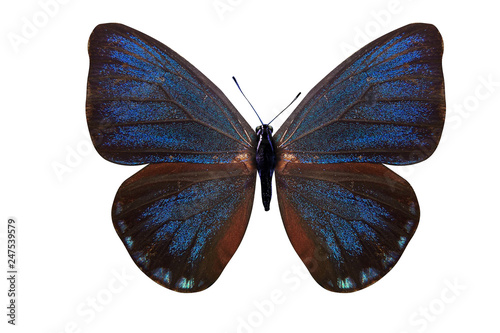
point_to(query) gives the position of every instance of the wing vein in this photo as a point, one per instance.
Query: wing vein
(360, 69)
(195, 85)
(289, 141)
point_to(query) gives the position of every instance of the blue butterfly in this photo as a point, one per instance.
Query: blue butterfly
(348, 217)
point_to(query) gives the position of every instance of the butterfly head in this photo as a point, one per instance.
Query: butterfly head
(261, 129)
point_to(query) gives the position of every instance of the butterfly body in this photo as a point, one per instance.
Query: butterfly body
(265, 158)
(348, 216)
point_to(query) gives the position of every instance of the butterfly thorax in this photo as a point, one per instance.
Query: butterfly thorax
(265, 157)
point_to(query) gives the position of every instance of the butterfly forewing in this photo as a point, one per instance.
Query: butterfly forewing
(384, 104)
(181, 223)
(146, 104)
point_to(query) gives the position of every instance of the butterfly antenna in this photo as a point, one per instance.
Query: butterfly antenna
(247, 100)
(285, 108)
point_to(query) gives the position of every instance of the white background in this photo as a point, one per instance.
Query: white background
(70, 256)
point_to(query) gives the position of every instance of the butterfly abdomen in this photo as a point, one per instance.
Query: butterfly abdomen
(265, 157)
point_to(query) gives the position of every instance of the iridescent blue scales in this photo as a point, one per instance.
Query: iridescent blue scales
(384, 104)
(348, 222)
(182, 223)
(146, 104)
(348, 217)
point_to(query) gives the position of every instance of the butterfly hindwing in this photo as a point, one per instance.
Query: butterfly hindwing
(146, 104)
(348, 222)
(384, 104)
(181, 223)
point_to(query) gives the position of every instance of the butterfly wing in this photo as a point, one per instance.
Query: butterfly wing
(384, 104)
(348, 222)
(351, 221)
(182, 217)
(182, 222)
(146, 104)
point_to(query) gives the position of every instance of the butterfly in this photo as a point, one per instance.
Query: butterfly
(348, 217)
